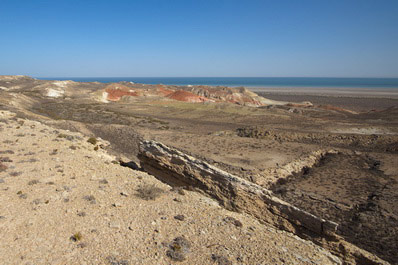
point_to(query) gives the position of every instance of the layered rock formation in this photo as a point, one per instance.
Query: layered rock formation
(234, 193)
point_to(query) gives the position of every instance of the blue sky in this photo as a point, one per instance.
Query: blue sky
(322, 38)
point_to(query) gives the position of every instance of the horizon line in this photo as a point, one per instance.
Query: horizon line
(209, 77)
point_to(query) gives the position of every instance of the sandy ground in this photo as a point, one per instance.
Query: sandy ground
(62, 202)
(353, 102)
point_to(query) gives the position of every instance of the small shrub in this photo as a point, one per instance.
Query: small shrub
(149, 192)
(92, 140)
(178, 249)
(5, 159)
(76, 237)
(221, 260)
(33, 182)
(65, 136)
(7, 152)
(15, 174)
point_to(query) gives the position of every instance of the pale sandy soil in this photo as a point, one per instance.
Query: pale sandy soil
(55, 185)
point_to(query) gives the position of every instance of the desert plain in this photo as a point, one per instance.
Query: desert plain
(243, 178)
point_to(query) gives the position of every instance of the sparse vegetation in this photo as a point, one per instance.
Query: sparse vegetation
(15, 174)
(76, 237)
(178, 249)
(33, 182)
(92, 140)
(7, 152)
(65, 136)
(5, 159)
(149, 192)
(221, 260)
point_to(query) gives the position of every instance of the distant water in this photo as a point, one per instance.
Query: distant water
(253, 82)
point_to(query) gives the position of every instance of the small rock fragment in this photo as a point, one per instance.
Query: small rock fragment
(221, 260)
(179, 217)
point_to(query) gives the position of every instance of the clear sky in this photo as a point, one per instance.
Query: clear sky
(115, 38)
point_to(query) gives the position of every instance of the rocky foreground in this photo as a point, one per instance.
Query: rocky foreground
(64, 200)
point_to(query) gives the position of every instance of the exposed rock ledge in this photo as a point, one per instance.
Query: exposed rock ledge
(233, 192)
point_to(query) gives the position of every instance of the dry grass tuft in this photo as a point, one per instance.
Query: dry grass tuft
(149, 192)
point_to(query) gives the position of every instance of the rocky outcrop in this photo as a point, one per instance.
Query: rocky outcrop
(232, 192)
(236, 194)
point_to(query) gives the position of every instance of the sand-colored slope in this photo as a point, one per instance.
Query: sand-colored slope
(55, 185)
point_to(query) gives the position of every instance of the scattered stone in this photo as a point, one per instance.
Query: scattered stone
(82, 245)
(221, 260)
(114, 261)
(103, 181)
(81, 214)
(3, 167)
(179, 217)
(54, 152)
(125, 194)
(1, 180)
(90, 198)
(117, 204)
(178, 248)
(177, 200)
(233, 221)
(36, 201)
(114, 225)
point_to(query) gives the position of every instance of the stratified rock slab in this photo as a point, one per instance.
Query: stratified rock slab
(234, 193)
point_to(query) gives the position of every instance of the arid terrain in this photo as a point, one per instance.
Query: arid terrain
(67, 198)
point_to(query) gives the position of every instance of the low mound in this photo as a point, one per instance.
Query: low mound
(116, 91)
(186, 96)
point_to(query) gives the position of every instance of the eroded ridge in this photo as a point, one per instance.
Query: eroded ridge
(234, 193)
